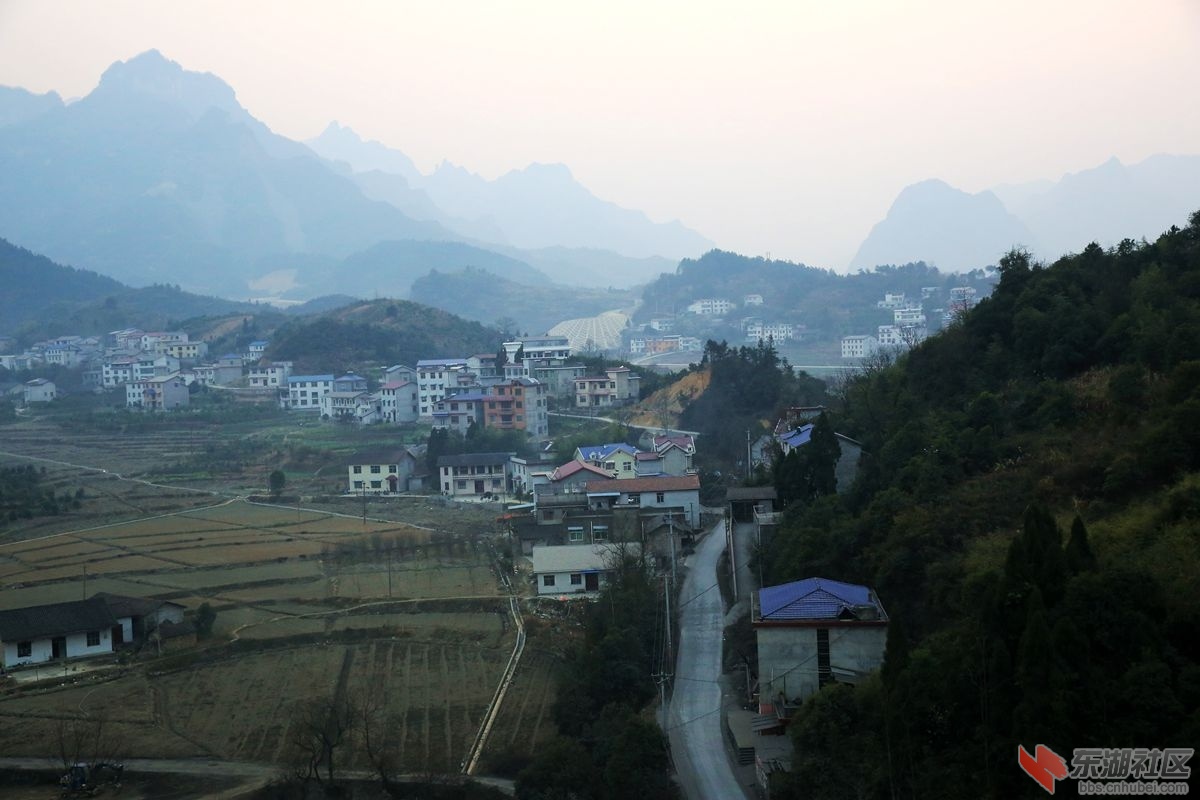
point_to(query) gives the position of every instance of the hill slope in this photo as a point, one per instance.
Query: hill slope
(1027, 512)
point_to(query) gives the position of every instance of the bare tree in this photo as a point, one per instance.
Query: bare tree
(371, 705)
(320, 727)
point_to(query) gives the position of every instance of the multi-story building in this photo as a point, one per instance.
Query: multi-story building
(272, 375)
(858, 346)
(256, 349)
(117, 372)
(711, 307)
(39, 390)
(304, 392)
(386, 471)
(752, 300)
(398, 401)
(362, 407)
(777, 331)
(398, 373)
(437, 378)
(160, 393)
(538, 348)
(518, 405)
(474, 474)
(185, 351)
(459, 412)
(892, 300)
(227, 369)
(155, 367)
(909, 315)
(616, 387)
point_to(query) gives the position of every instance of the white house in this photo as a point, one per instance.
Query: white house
(73, 629)
(752, 300)
(474, 474)
(859, 346)
(909, 315)
(710, 307)
(305, 391)
(538, 348)
(577, 568)
(617, 386)
(39, 390)
(437, 378)
(385, 471)
(271, 375)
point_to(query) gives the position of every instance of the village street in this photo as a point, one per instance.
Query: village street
(695, 719)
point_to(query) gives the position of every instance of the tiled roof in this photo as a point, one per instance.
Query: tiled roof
(122, 606)
(393, 385)
(579, 557)
(473, 459)
(572, 467)
(441, 362)
(667, 483)
(816, 598)
(55, 619)
(797, 437)
(299, 378)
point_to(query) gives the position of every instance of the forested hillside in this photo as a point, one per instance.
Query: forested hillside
(379, 332)
(826, 302)
(1029, 513)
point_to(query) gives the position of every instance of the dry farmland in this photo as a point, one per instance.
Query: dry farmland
(312, 606)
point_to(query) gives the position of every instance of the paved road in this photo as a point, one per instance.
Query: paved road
(695, 721)
(615, 421)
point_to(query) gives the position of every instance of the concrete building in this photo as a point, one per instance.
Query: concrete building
(459, 412)
(185, 351)
(270, 375)
(811, 633)
(676, 493)
(39, 390)
(859, 346)
(383, 471)
(618, 386)
(438, 378)
(398, 401)
(163, 393)
(474, 474)
(305, 391)
(518, 405)
(577, 569)
(710, 307)
(538, 348)
(618, 459)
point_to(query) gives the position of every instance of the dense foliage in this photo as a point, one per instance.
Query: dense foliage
(748, 388)
(379, 332)
(23, 496)
(605, 748)
(829, 304)
(1028, 515)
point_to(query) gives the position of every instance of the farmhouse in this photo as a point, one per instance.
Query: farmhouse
(40, 390)
(475, 474)
(575, 569)
(385, 471)
(75, 629)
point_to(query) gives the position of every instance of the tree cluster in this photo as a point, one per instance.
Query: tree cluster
(1069, 394)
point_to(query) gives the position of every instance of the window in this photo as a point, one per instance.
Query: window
(660, 497)
(357, 469)
(24, 649)
(547, 513)
(374, 469)
(358, 484)
(599, 533)
(446, 486)
(547, 580)
(627, 466)
(392, 468)
(376, 484)
(576, 579)
(461, 484)
(575, 534)
(93, 639)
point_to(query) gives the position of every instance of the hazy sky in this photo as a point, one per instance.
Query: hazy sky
(783, 127)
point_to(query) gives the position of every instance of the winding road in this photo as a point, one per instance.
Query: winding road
(695, 721)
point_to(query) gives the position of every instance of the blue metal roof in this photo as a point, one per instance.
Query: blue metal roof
(441, 362)
(351, 377)
(298, 378)
(813, 598)
(593, 452)
(797, 437)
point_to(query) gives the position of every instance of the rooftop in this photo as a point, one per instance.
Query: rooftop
(595, 452)
(818, 599)
(667, 483)
(55, 619)
(473, 459)
(578, 557)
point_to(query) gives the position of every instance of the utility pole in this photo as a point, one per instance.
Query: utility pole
(84, 582)
(748, 457)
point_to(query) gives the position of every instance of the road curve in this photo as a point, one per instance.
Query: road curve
(695, 721)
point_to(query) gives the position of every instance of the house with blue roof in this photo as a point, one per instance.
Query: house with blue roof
(617, 458)
(811, 633)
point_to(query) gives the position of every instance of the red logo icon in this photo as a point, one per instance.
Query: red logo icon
(1046, 768)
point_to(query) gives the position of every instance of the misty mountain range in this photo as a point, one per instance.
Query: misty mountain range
(160, 175)
(933, 222)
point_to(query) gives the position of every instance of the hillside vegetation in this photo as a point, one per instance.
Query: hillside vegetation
(1029, 513)
(378, 332)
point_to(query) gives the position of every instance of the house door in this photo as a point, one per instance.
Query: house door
(591, 581)
(58, 647)
(392, 481)
(479, 487)
(118, 636)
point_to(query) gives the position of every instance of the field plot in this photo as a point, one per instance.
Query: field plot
(525, 719)
(401, 610)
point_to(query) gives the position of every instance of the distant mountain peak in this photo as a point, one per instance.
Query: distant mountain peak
(339, 142)
(151, 74)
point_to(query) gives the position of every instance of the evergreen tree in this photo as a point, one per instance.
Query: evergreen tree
(1078, 554)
